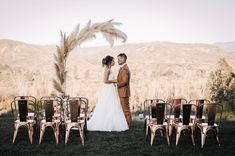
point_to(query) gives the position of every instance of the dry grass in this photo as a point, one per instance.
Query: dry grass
(159, 70)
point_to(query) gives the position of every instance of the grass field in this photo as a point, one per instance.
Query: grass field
(122, 143)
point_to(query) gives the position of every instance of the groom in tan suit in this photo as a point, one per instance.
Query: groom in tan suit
(123, 84)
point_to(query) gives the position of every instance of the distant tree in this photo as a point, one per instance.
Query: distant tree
(221, 84)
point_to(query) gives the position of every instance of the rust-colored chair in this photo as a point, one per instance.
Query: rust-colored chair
(51, 116)
(24, 113)
(175, 116)
(213, 113)
(187, 110)
(147, 116)
(77, 116)
(157, 120)
(199, 113)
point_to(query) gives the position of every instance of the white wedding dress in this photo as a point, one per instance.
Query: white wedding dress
(108, 114)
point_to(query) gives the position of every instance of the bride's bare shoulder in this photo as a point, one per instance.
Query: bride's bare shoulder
(107, 70)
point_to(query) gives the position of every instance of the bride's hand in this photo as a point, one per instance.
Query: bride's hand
(115, 81)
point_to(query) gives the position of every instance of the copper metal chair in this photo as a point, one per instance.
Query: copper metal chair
(213, 115)
(185, 123)
(77, 116)
(158, 113)
(176, 116)
(23, 110)
(51, 116)
(199, 113)
(147, 104)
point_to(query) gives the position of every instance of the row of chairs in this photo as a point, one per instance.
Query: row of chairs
(50, 111)
(180, 114)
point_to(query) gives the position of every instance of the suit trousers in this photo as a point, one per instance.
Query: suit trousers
(126, 109)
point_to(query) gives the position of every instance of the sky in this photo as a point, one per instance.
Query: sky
(183, 21)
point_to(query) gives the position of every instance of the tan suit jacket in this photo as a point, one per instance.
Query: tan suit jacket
(123, 79)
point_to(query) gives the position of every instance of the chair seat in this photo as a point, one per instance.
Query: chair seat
(70, 122)
(154, 124)
(181, 124)
(53, 121)
(194, 117)
(206, 125)
(24, 122)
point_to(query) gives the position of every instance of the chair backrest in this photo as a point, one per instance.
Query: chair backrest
(51, 104)
(199, 103)
(49, 110)
(186, 110)
(150, 102)
(176, 105)
(213, 113)
(199, 112)
(77, 106)
(21, 105)
(74, 109)
(23, 109)
(160, 111)
(186, 113)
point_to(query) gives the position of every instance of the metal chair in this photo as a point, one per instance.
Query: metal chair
(199, 113)
(52, 110)
(213, 115)
(147, 104)
(176, 116)
(158, 113)
(23, 110)
(187, 110)
(77, 116)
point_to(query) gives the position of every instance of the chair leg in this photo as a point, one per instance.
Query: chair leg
(203, 138)
(152, 136)
(16, 128)
(56, 133)
(81, 132)
(42, 130)
(167, 137)
(178, 133)
(67, 132)
(146, 131)
(85, 131)
(145, 124)
(217, 135)
(170, 130)
(192, 135)
(30, 132)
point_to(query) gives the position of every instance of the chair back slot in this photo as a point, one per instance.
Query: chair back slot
(49, 110)
(199, 112)
(74, 109)
(160, 112)
(211, 108)
(23, 109)
(176, 105)
(186, 113)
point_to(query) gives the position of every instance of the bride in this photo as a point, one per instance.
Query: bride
(108, 114)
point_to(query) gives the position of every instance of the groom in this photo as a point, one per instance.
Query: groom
(124, 87)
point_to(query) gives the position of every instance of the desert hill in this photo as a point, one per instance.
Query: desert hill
(159, 69)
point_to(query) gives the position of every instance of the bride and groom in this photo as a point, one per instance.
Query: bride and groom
(112, 112)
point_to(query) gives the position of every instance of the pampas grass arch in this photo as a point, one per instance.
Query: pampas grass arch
(76, 38)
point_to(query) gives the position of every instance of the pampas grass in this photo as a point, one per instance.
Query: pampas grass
(76, 38)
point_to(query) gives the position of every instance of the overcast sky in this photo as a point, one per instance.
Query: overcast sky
(189, 21)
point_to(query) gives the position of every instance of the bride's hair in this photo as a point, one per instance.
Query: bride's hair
(107, 60)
